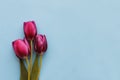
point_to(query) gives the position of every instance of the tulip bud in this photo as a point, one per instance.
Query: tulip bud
(30, 30)
(40, 44)
(21, 48)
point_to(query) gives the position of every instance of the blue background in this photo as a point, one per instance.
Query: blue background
(83, 37)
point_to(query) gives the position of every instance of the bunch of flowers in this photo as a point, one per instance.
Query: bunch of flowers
(24, 49)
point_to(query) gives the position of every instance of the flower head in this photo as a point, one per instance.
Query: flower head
(40, 44)
(30, 30)
(21, 48)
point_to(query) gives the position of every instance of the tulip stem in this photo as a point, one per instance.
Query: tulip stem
(31, 55)
(28, 67)
(39, 67)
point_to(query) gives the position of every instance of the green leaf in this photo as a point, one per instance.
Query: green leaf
(35, 69)
(23, 71)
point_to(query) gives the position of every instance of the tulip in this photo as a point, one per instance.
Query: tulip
(30, 30)
(21, 48)
(40, 44)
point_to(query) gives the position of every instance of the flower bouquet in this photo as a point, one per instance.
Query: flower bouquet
(24, 49)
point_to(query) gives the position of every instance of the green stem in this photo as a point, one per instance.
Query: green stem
(23, 71)
(28, 67)
(39, 67)
(31, 55)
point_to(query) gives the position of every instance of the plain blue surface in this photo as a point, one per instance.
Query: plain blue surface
(83, 37)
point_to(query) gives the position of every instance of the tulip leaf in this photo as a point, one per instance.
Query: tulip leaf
(35, 69)
(23, 71)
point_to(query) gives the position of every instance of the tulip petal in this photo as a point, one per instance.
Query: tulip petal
(20, 48)
(27, 44)
(40, 44)
(30, 30)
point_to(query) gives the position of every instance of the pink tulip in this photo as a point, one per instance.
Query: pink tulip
(40, 44)
(21, 48)
(30, 30)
